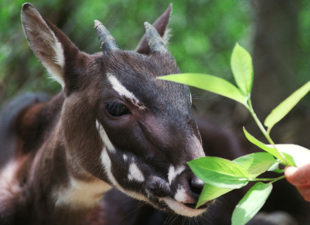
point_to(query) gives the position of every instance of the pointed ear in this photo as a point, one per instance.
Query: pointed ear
(161, 25)
(48, 43)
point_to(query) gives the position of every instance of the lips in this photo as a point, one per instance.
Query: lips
(187, 210)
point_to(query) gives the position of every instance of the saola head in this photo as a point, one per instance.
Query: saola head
(119, 122)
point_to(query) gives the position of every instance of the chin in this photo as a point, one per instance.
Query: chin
(187, 210)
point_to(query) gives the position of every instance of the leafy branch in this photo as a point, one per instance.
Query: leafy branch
(221, 175)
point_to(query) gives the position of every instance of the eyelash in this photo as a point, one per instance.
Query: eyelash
(116, 109)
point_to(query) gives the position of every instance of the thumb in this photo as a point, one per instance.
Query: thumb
(298, 176)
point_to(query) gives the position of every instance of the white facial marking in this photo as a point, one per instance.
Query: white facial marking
(173, 173)
(106, 162)
(122, 90)
(80, 194)
(104, 137)
(125, 157)
(180, 194)
(181, 209)
(134, 173)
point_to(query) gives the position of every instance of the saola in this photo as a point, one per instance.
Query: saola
(113, 124)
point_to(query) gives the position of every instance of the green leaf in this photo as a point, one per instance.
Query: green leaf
(219, 172)
(261, 145)
(290, 160)
(251, 203)
(242, 68)
(299, 154)
(286, 106)
(210, 192)
(210, 83)
(256, 163)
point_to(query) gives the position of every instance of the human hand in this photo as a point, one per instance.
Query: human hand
(300, 178)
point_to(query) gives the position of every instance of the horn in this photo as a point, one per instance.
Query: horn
(107, 41)
(155, 41)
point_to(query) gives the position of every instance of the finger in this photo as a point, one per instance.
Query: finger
(305, 192)
(298, 176)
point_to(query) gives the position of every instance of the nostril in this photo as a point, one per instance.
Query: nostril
(196, 185)
(158, 187)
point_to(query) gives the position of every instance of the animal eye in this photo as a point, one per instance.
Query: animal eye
(116, 109)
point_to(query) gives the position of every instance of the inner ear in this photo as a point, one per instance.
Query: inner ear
(161, 25)
(48, 43)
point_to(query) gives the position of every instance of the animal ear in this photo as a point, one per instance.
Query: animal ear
(48, 43)
(161, 25)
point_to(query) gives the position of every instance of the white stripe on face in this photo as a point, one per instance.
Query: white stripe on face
(174, 172)
(104, 137)
(107, 164)
(121, 89)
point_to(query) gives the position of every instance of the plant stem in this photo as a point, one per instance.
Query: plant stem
(269, 179)
(278, 178)
(263, 130)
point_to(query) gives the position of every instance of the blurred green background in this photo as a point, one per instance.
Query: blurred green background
(276, 32)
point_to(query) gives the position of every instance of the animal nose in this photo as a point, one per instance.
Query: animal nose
(194, 189)
(196, 186)
(158, 187)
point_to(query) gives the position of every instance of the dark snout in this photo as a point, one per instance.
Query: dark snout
(185, 189)
(158, 187)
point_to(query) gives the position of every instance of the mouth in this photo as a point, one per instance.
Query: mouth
(188, 210)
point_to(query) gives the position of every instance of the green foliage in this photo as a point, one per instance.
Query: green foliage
(221, 175)
(251, 203)
(242, 68)
(256, 163)
(210, 192)
(210, 83)
(286, 106)
(219, 172)
(197, 27)
(261, 145)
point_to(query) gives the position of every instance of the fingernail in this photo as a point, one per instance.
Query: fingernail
(289, 171)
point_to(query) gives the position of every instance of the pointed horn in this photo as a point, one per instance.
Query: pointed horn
(107, 41)
(155, 41)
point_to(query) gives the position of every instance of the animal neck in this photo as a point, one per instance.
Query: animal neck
(44, 183)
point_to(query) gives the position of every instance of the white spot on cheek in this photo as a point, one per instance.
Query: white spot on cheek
(125, 157)
(135, 173)
(173, 173)
(104, 137)
(106, 162)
